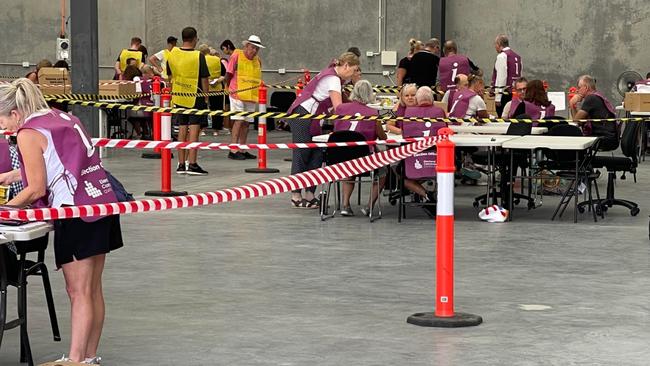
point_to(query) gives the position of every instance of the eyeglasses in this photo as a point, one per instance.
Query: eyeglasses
(521, 90)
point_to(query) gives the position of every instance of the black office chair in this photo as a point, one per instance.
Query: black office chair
(336, 155)
(501, 160)
(625, 164)
(280, 101)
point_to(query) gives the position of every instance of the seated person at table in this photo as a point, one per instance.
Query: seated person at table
(594, 105)
(360, 96)
(426, 108)
(131, 72)
(535, 103)
(518, 93)
(407, 99)
(461, 83)
(469, 103)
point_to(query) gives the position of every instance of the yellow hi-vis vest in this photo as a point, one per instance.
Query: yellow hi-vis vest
(184, 66)
(127, 54)
(249, 76)
(214, 66)
(163, 63)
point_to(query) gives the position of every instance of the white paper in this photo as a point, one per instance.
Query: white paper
(558, 99)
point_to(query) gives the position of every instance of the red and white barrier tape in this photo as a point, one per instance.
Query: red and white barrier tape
(266, 188)
(146, 144)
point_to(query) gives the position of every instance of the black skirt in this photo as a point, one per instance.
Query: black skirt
(75, 239)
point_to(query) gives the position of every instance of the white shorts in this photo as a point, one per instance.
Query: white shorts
(238, 105)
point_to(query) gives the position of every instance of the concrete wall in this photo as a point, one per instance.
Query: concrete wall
(30, 29)
(558, 40)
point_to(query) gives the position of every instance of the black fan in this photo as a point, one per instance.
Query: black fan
(626, 81)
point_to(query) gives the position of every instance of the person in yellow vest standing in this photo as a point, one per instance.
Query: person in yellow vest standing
(127, 53)
(217, 70)
(244, 72)
(188, 71)
(159, 60)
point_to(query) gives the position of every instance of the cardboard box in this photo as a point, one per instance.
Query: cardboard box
(637, 102)
(111, 87)
(54, 80)
(490, 104)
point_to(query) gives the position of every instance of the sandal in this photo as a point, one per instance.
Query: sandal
(313, 203)
(296, 203)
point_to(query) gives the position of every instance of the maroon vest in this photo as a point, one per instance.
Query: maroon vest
(449, 67)
(513, 62)
(79, 158)
(368, 128)
(533, 110)
(643, 82)
(423, 164)
(308, 92)
(460, 103)
(5, 156)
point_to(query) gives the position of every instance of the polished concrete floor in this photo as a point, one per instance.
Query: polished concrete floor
(259, 283)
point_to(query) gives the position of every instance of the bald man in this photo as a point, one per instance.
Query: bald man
(460, 82)
(589, 103)
(507, 69)
(453, 64)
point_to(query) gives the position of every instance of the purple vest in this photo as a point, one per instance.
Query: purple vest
(427, 112)
(514, 69)
(78, 156)
(460, 103)
(423, 164)
(308, 92)
(146, 88)
(400, 111)
(449, 67)
(5, 156)
(533, 110)
(365, 127)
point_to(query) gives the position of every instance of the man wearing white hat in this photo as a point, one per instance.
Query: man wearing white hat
(244, 73)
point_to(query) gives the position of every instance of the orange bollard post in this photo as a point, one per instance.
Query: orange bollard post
(155, 94)
(261, 135)
(164, 133)
(444, 315)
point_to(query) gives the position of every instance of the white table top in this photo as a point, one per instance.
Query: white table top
(493, 129)
(550, 142)
(325, 137)
(24, 232)
(480, 140)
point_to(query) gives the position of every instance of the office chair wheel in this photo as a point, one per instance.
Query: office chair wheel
(475, 204)
(599, 210)
(393, 202)
(516, 201)
(581, 209)
(634, 211)
(531, 205)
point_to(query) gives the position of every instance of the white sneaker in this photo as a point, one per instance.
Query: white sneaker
(63, 359)
(347, 211)
(93, 361)
(493, 213)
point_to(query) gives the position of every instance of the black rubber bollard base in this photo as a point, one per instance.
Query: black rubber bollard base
(456, 321)
(165, 194)
(262, 170)
(154, 155)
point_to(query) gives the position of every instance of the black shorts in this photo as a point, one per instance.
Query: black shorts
(75, 239)
(193, 119)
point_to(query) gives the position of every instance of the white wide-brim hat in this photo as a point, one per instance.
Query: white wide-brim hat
(255, 41)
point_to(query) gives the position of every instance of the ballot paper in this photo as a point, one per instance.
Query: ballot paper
(558, 99)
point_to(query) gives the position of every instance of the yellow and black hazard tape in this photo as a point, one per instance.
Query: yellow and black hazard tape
(284, 115)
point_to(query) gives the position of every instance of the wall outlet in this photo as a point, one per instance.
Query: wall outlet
(369, 53)
(385, 73)
(26, 64)
(282, 71)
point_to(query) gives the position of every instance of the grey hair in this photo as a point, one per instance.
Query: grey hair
(433, 43)
(21, 95)
(424, 94)
(502, 40)
(589, 81)
(362, 92)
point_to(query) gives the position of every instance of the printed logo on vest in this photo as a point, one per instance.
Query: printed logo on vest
(418, 165)
(90, 169)
(91, 190)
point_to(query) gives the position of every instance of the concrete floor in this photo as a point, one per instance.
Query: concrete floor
(259, 283)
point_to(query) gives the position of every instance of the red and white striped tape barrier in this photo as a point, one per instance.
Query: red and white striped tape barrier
(266, 188)
(146, 144)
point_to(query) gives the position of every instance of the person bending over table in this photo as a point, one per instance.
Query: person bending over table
(361, 95)
(320, 95)
(469, 103)
(57, 156)
(589, 103)
(407, 99)
(461, 82)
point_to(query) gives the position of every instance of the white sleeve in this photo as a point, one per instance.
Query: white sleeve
(501, 69)
(445, 98)
(332, 83)
(506, 110)
(160, 55)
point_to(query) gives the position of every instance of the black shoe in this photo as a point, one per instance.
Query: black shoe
(236, 156)
(195, 169)
(248, 155)
(181, 168)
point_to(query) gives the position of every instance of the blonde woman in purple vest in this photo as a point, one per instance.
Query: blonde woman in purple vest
(361, 95)
(321, 94)
(407, 99)
(62, 168)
